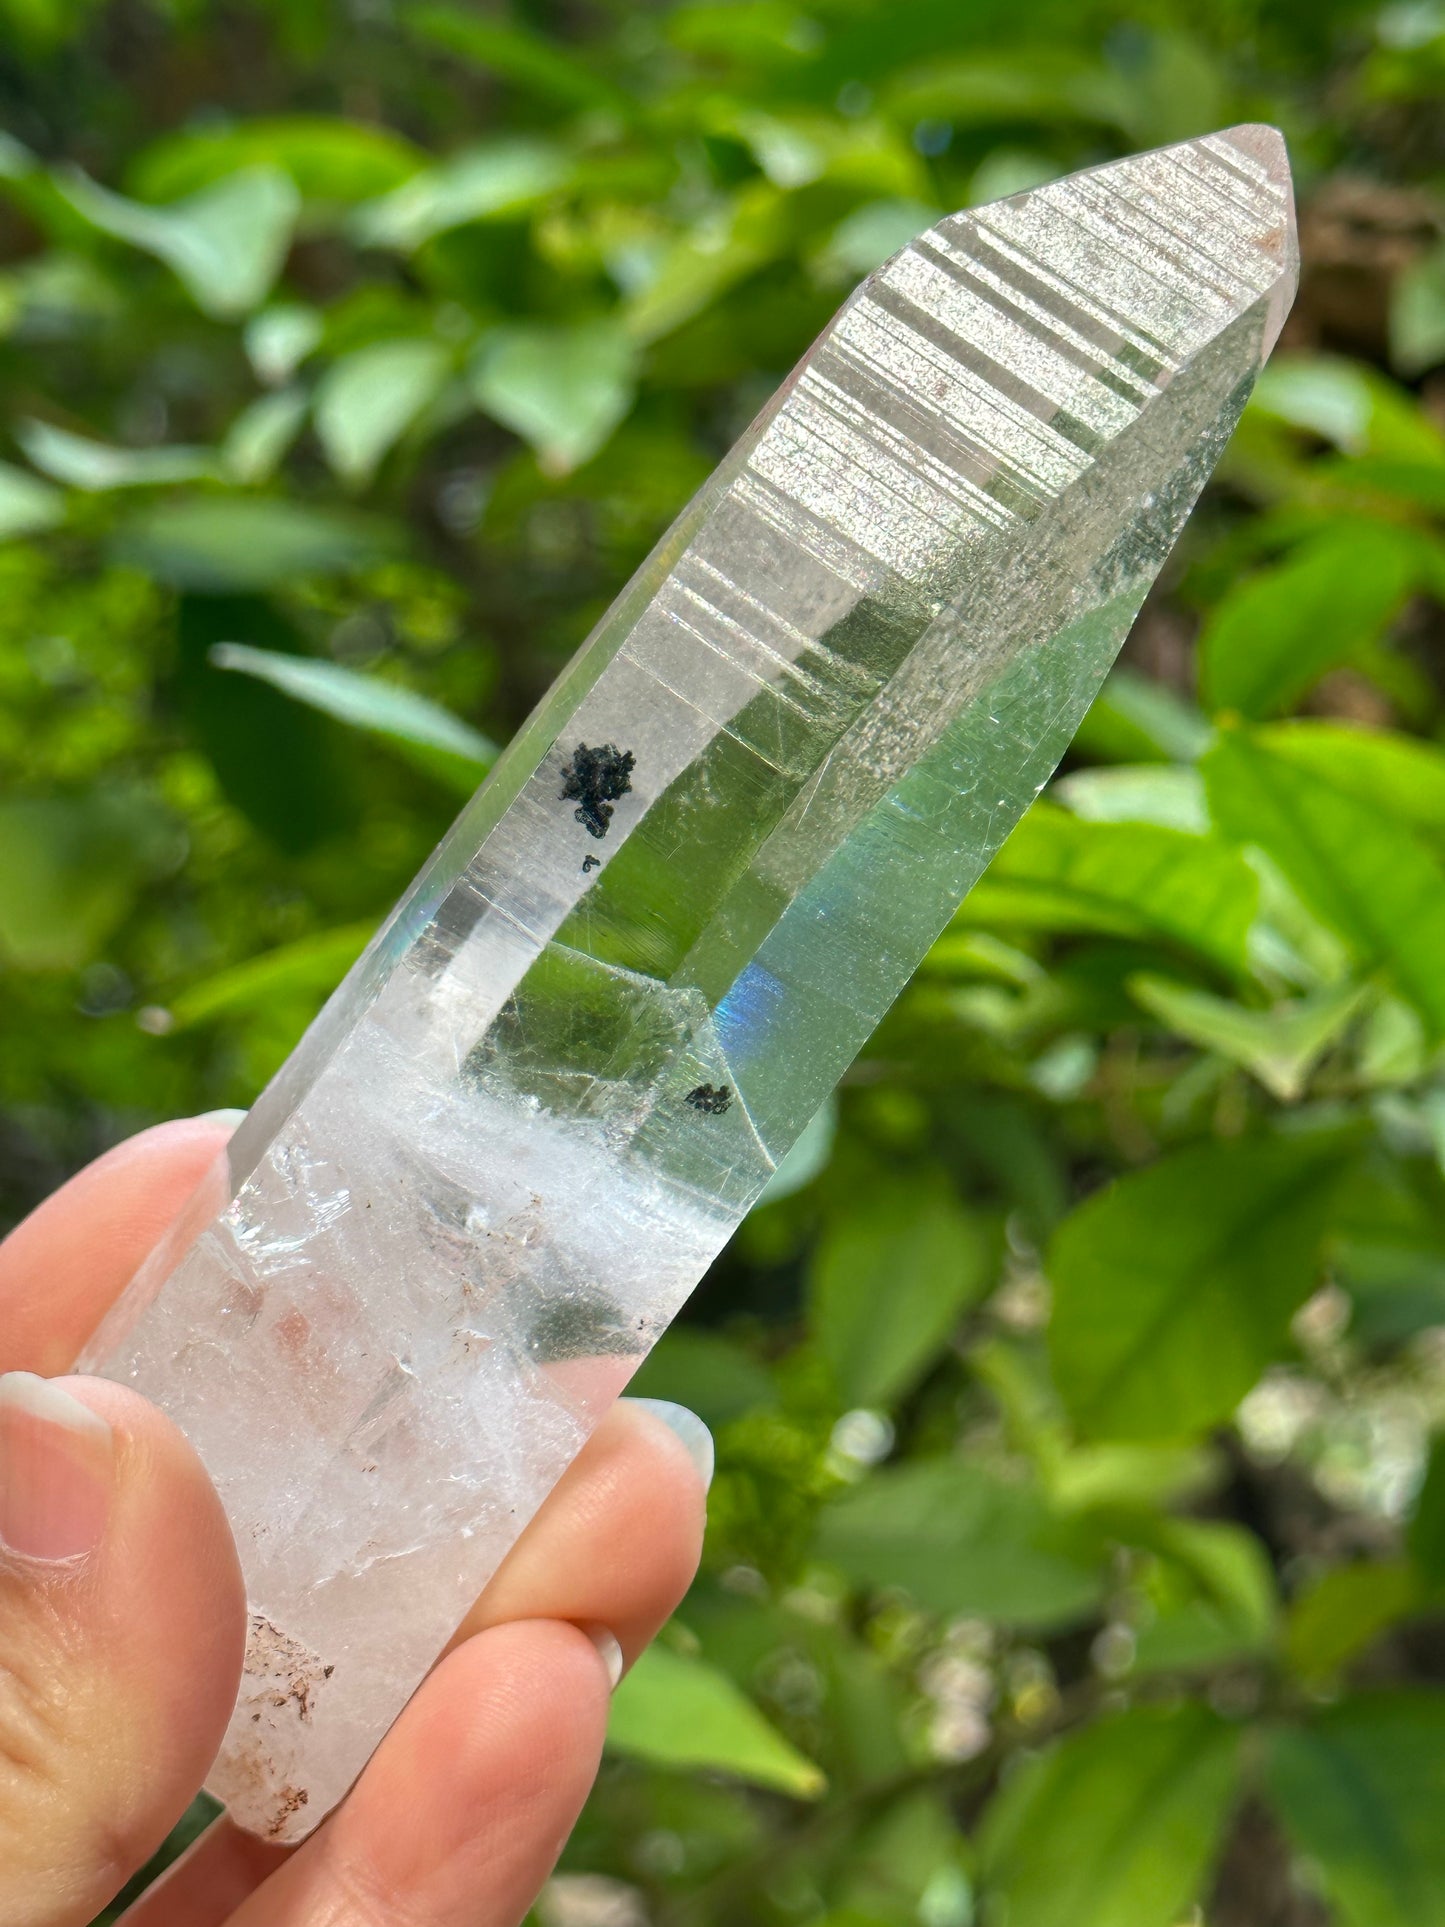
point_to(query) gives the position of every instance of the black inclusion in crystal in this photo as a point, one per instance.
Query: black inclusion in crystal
(594, 779)
(712, 1102)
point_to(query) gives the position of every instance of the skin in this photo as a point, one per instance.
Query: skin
(118, 1668)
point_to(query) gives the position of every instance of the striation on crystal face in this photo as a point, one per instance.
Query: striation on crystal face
(525, 1124)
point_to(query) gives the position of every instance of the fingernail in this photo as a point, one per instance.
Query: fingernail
(689, 1428)
(223, 1120)
(57, 1470)
(606, 1644)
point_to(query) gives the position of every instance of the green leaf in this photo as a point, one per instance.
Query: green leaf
(503, 178)
(905, 1864)
(95, 466)
(227, 243)
(310, 967)
(726, 247)
(1361, 1790)
(1174, 1287)
(1131, 1478)
(279, 339)
(1392, 1044)
(1369, 879)
(1427, 1522)
(1057, 872)
(1055, 83)
(1007, 170)
(676, 1711)
(794, 149)
(1278, 632)
(200, 1814)
(35, 191)
(1230, 1607)
(1231, 1567)
(218, 542)
(1417, 315)
(1114, 1826)
(1177, 87)
(1135, 720)
(365, 702)
(890, 1280)
(1344, 1612)
(537, 65)
(1289, 944)
(1348, 403)
(16, 159)
(329, 159)
(1397, 1290)
(1159, 793)
(70, 870)
(1412, 484)
(28, 506)
(1389, 1251)
(1382, 768)
(1281, 1047)
(812, 1148)
(367, 400)
(563, 390)
(963, 1539)
(259, 437)
(867, 237)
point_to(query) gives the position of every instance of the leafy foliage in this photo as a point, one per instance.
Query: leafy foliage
(1359, 1789)
(675, 1710)
(1119, 1819)
(1074, 1384)
(1174, 1288)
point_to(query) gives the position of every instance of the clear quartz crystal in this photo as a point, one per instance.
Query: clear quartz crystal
(532, 1114)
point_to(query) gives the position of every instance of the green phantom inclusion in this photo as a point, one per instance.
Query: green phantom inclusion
(537, 1108)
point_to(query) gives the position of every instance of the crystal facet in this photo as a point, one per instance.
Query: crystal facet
(524, 1125)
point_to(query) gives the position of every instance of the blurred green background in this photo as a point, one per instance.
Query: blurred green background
(1077, 1554)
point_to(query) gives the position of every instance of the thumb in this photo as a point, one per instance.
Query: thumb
(121, 1630)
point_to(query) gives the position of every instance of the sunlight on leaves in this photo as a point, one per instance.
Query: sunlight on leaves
(365, 702)
(366, 401)
(478, 184)
(27, 505)
(226, 243)
(563, 389)
(1280, 1047)
(94, 466)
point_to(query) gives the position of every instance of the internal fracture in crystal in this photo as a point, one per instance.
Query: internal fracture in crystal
(536, 1109)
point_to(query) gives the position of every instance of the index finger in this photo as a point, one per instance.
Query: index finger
(62, 1268)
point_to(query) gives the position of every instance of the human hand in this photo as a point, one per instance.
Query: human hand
(122, 1624)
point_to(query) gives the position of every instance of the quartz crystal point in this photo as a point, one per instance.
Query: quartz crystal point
(514, 1139)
